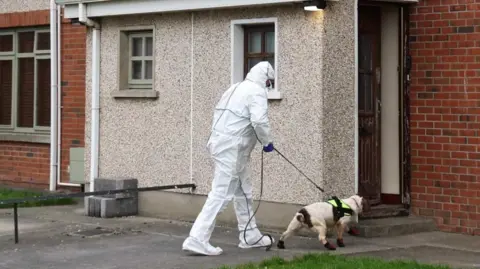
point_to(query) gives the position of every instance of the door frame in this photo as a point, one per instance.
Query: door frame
(403, 99)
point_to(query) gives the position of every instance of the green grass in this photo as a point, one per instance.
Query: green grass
(329, 261)
(6, 193)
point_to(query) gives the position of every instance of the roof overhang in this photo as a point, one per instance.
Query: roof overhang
(70, 2)
(397, 1)
(103, 8)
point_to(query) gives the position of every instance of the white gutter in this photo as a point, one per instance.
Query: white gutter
(53, 96)
(355, 83)
(95, 121)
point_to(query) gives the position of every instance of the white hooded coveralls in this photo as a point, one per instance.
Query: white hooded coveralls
(240, 116)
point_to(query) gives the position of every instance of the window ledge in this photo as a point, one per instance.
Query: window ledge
(149, 94)
(275, 95)
(25, 137)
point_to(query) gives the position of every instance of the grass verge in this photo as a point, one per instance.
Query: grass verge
(329, 261)
(6, 193)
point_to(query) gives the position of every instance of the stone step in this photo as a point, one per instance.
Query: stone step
(385, 211)
(395, 226)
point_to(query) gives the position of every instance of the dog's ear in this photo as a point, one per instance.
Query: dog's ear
(365, 204)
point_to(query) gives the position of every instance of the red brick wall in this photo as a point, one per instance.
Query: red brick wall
(73, 90)
(26, 164)
(445, 113)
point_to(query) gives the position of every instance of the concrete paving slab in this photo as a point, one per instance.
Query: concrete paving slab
(138, 242)
(129, 252)
(7, 227)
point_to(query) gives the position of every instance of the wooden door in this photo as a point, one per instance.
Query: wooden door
(405, 78)
(369, 30)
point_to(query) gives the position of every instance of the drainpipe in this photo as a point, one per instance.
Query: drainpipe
(95, 120)
(356, 92)
(355, 83)
(53, 96)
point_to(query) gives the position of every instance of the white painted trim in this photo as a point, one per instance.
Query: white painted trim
(274, 94)
(130, 7)
(355, 83)
(390, 112)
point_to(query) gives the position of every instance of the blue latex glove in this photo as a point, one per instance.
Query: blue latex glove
(268, 148)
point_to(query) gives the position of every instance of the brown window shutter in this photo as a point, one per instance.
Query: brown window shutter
(5, 92)
(43, 92)
(26, 79)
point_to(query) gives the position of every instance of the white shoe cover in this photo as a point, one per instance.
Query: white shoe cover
(264, 242)
(193, 245)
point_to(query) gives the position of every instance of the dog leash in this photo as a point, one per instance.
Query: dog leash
(311, 181)
(261, 194)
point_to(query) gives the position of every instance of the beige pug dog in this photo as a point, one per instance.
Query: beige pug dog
(322, 215)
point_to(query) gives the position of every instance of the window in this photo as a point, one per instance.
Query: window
(136, 63)
(140, 69)
(253, 41)
(259, 45)
(25, 81)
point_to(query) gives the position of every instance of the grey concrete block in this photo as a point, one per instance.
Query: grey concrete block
(86, 206)
(127, 183)
(105, 184)
(114, 205)
(109, 208)
(118, 207)
(93, 206)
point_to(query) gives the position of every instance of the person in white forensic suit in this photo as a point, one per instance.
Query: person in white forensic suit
(240, 117)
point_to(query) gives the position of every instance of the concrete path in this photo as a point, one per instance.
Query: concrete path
(61, 237)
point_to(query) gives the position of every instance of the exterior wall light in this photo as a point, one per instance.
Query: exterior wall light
(315, 5)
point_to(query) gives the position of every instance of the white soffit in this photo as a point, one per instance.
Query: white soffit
(397, 1)
(104, 8)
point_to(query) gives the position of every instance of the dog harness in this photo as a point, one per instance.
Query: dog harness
(339, 208)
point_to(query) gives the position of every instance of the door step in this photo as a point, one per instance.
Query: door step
(385, 211)
(395, 226)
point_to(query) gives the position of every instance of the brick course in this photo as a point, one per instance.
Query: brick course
(445, 113)
(28, 164)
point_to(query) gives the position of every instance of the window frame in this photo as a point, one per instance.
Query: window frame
(14, 56)
(125, 89)
(139, 83)
(237, 47)
(251, 28)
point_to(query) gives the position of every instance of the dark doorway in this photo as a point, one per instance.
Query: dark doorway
(369, 40)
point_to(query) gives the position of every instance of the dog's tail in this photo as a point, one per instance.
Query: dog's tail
(304, 217)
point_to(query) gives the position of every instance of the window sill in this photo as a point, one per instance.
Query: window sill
(275, 95)
(148, 94)
(25, 137)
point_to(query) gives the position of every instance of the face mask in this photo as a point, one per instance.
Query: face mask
(270, 84)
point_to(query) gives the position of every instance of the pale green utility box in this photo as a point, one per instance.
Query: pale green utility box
(77, 165)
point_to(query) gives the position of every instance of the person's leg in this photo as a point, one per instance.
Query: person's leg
(223, 188)
(243, 204)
